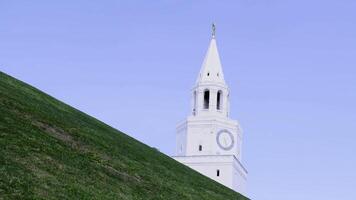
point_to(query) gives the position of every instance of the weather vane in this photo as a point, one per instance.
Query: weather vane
(213, 29)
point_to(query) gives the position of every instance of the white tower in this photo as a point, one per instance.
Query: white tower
(208, 140)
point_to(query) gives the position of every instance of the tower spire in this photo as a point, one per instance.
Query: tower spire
(213, 30)
(211, 69)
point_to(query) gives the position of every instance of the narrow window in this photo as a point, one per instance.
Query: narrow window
(208, 74)
(218, 100)
(217, 172)
(206, 99)
(200, 147)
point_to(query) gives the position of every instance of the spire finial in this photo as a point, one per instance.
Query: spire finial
(213, 30)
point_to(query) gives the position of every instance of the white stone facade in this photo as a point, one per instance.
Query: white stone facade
(209, 141)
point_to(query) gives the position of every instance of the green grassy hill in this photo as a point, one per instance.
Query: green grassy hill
(49, 150)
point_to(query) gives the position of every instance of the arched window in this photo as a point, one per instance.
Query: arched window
(200, 148)
(218, 100)
(218, 172)
(206, 99)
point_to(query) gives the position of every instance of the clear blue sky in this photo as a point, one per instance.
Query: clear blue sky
(290, 65)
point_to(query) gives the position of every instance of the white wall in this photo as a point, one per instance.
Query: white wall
(231, 175)
(203, 130)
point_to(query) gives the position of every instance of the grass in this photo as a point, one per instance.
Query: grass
(49, 150)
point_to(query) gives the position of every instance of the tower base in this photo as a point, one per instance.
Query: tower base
(225, 169)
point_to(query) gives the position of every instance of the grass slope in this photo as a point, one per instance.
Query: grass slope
(49, 150)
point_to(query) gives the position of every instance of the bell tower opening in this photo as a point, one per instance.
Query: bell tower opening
(206, 99)
(218, 100)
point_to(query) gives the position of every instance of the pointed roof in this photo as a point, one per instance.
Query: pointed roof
(211, 70)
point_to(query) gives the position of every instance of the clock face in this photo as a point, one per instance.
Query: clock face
(225, 139)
